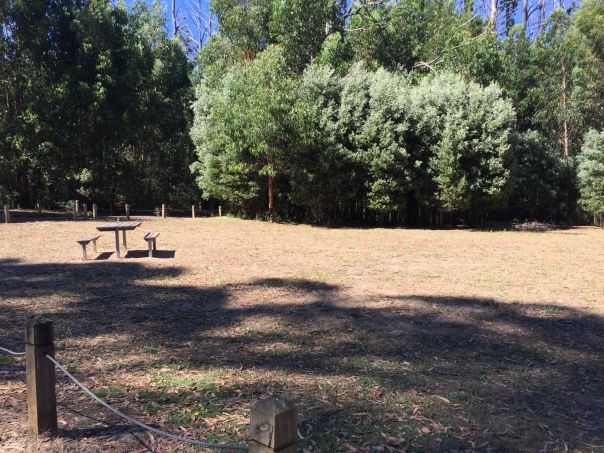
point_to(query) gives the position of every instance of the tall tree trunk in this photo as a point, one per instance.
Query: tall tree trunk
(270, 198)
(565, 140)
(493, 15)
(540, 15)
(174, 20)
(524, 14)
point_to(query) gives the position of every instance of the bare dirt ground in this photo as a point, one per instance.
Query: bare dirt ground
(387, 339)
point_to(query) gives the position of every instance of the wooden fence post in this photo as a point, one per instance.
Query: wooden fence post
(85, 210)
(6, 214)
(127, 206)
(219, 211)
(40, 372)
(77, 206)
(193, 211)
(273, 426)
(163, 211)
(75, 212)
(94, 211)
(38, 207)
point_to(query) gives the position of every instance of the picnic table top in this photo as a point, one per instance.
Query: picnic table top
(118, 226)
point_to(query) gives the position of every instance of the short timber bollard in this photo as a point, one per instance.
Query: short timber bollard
(219, 211)
(163, 211)
(127, 211)
(75, 212)
(77, 206)
(6, 214)
(193, 211)
(94, 211)
(273, 426)
(40, 372)
(85, 210)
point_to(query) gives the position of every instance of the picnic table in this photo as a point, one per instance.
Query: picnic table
(117, 226)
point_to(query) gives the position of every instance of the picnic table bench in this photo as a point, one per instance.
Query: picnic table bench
(151, 239)
(117, 227)
(87, 240)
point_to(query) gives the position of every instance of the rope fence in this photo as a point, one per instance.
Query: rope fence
(140, 424)
(8, 351)
(273, 421)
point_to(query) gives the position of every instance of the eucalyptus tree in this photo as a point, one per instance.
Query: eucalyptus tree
(591, 175)
(245, 129)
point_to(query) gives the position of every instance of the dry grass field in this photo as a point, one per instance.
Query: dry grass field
(388, 340)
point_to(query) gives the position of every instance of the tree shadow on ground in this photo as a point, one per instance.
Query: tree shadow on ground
(413, 371)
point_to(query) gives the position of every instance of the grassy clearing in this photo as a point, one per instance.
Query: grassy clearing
(390, 340)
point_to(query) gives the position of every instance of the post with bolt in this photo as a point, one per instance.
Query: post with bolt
(40, 372)
(273, 426)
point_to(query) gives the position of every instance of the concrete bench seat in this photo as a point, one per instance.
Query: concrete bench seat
(87, 240)
(151, 239)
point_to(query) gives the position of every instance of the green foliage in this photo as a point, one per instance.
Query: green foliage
(374, 122)
(381, 35)
(368, 138)
(335, 53)
(245, 128)
(470, 165)
(300, 27)
(96, 90)
(589, 21)
(327, 110)
(537, 176)
(591, 174)
(245, 23)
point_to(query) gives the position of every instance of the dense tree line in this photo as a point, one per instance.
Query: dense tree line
(415, 112)
(95, 104)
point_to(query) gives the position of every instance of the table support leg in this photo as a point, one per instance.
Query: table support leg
(117, 243)
(124, 241)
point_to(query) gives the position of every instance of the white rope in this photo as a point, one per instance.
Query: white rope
(12, 352)
(140, 424)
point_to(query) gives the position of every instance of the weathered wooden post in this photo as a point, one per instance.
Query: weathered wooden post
(6, 214)
(38, 207)
(163, 211)
(77, 206)
(273, 426)
(85, 210)
(74, 210)
(40, 372)
(193, 211)
(127, 206)
(219, 211)
(94, 211)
